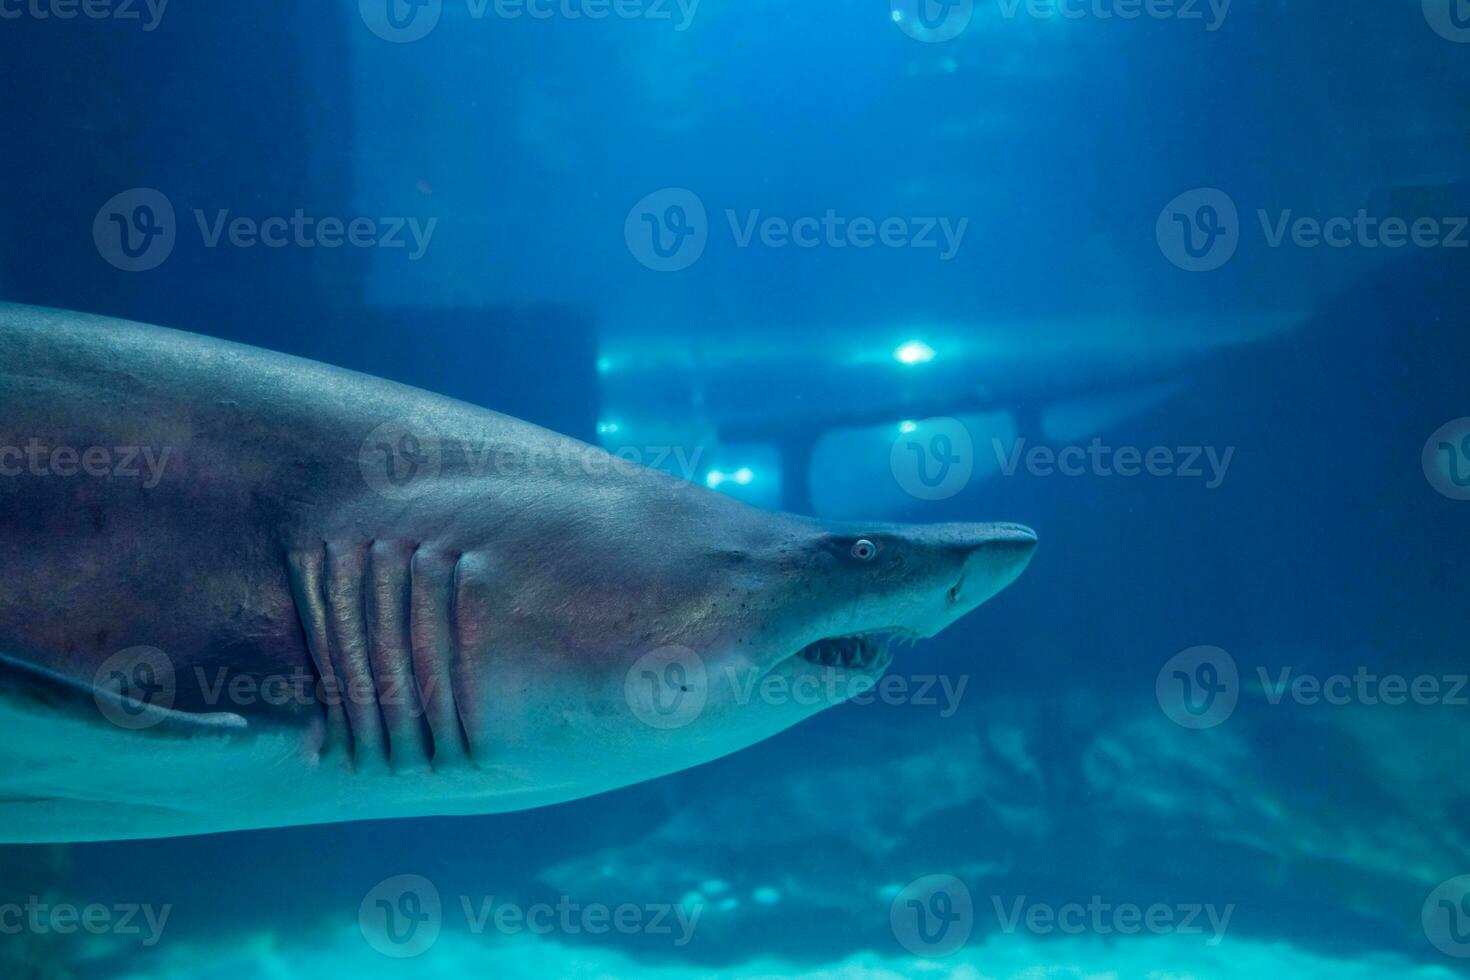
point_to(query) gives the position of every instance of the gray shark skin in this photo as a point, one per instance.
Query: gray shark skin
(244, 590)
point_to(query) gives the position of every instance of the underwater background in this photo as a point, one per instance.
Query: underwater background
(1182, 285)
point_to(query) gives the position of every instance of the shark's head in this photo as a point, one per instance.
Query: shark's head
(660, 628)
(821, 608)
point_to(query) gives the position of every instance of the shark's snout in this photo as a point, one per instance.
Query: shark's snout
(996, 555)
(968, 564)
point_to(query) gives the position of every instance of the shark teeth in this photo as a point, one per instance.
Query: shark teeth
(851, 652)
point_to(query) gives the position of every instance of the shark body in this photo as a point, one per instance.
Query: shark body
(245, 590)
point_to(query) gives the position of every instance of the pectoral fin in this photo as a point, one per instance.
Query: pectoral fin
(82, 763)
(29, 691)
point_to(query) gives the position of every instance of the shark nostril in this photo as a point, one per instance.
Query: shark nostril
(954, 593)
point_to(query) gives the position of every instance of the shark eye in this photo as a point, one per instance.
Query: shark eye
(864, 550)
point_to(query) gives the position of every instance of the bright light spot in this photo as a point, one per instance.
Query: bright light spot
(907, 427)
(604, 365)
(898, 16)
(914, 352)
(766, 895)
(607, 428)
(743, 476)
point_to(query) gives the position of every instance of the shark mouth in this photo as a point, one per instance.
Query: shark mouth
(865, 653)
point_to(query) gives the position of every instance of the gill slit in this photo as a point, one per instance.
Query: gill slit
(358, 645)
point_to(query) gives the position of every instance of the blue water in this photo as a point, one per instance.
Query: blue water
(1182, 287)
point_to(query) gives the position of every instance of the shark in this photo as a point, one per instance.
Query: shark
(243, 590)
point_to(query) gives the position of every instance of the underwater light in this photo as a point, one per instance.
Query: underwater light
(907, 426)
(914, 352)
(607, 428)
(743, 476)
